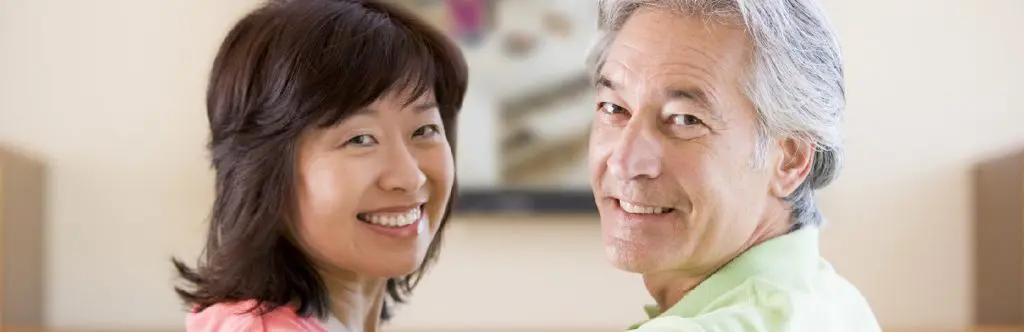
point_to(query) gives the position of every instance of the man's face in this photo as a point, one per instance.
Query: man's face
(673, 145)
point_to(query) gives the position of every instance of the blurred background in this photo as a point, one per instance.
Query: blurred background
(104, 176)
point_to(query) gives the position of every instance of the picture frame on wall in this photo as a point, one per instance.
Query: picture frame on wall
(524, 128)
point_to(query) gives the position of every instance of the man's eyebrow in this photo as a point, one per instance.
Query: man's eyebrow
(603, 81)
(691, 94)
(694, 95)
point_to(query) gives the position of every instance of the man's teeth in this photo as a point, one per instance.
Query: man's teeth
(392, 219)
(640, 209)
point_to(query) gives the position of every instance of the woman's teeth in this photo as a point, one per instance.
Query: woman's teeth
(391, 219)
(640, 209)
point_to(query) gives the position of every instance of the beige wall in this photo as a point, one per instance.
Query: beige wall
(109, 94)
(933, 87)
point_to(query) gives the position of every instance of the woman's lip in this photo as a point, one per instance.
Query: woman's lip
(406, 231)
(396, 209)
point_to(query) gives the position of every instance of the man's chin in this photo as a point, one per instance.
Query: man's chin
(628, 258)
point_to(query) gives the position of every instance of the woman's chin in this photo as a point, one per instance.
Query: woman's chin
(393, 269)
(393, 265)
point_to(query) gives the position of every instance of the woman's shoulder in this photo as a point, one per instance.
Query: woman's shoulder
(225, 317)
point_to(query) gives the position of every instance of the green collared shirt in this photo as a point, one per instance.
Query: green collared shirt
(781, 285)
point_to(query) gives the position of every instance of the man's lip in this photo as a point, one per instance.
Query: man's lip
(622, 217)
(616, 200)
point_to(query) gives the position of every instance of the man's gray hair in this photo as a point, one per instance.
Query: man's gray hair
(795, 81)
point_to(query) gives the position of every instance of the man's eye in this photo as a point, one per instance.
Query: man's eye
(611, 108)
(685, 120)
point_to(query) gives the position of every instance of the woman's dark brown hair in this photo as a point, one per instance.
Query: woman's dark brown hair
(289, 67)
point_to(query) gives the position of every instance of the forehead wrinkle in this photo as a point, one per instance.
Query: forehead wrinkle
(661, 77)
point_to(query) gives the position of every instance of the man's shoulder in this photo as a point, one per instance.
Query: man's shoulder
(237, 316)
(763, 304)
(816, 302)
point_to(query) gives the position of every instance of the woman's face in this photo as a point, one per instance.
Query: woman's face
(372, 189)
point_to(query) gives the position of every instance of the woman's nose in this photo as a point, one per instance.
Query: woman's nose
(402, 172)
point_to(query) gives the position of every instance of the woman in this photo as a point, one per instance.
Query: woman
(333, 131)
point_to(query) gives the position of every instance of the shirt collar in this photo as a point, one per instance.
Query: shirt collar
(332, 324)
(787, 258)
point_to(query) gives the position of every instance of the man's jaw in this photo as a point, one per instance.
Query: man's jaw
(669, 287)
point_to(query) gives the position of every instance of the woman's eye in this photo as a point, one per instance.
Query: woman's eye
(610, 108)
(427, 131)
(362, 140)
(686, 120)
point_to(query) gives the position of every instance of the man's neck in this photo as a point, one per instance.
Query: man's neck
(356, 301)
(669, 287)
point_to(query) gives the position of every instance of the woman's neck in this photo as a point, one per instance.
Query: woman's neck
(356, 301)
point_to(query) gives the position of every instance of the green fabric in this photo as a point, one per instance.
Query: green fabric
(781, 285)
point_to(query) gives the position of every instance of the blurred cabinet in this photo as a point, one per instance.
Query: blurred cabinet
(999, 241)
(22, 185)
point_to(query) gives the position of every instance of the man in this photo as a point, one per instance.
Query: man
(715, 122)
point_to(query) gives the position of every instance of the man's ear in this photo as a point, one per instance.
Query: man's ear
(792, 168)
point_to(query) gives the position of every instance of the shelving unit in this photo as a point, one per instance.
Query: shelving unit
(999, 241)
(22, 181)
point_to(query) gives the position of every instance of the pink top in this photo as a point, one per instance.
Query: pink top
(231, 317)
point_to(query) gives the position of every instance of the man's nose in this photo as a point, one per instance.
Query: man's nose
(401, 172)
(638, 154)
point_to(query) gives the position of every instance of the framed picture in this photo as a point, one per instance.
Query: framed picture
(524, 127)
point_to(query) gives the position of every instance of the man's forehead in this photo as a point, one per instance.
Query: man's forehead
(676, 55)
(660, 35)
(672, 80)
